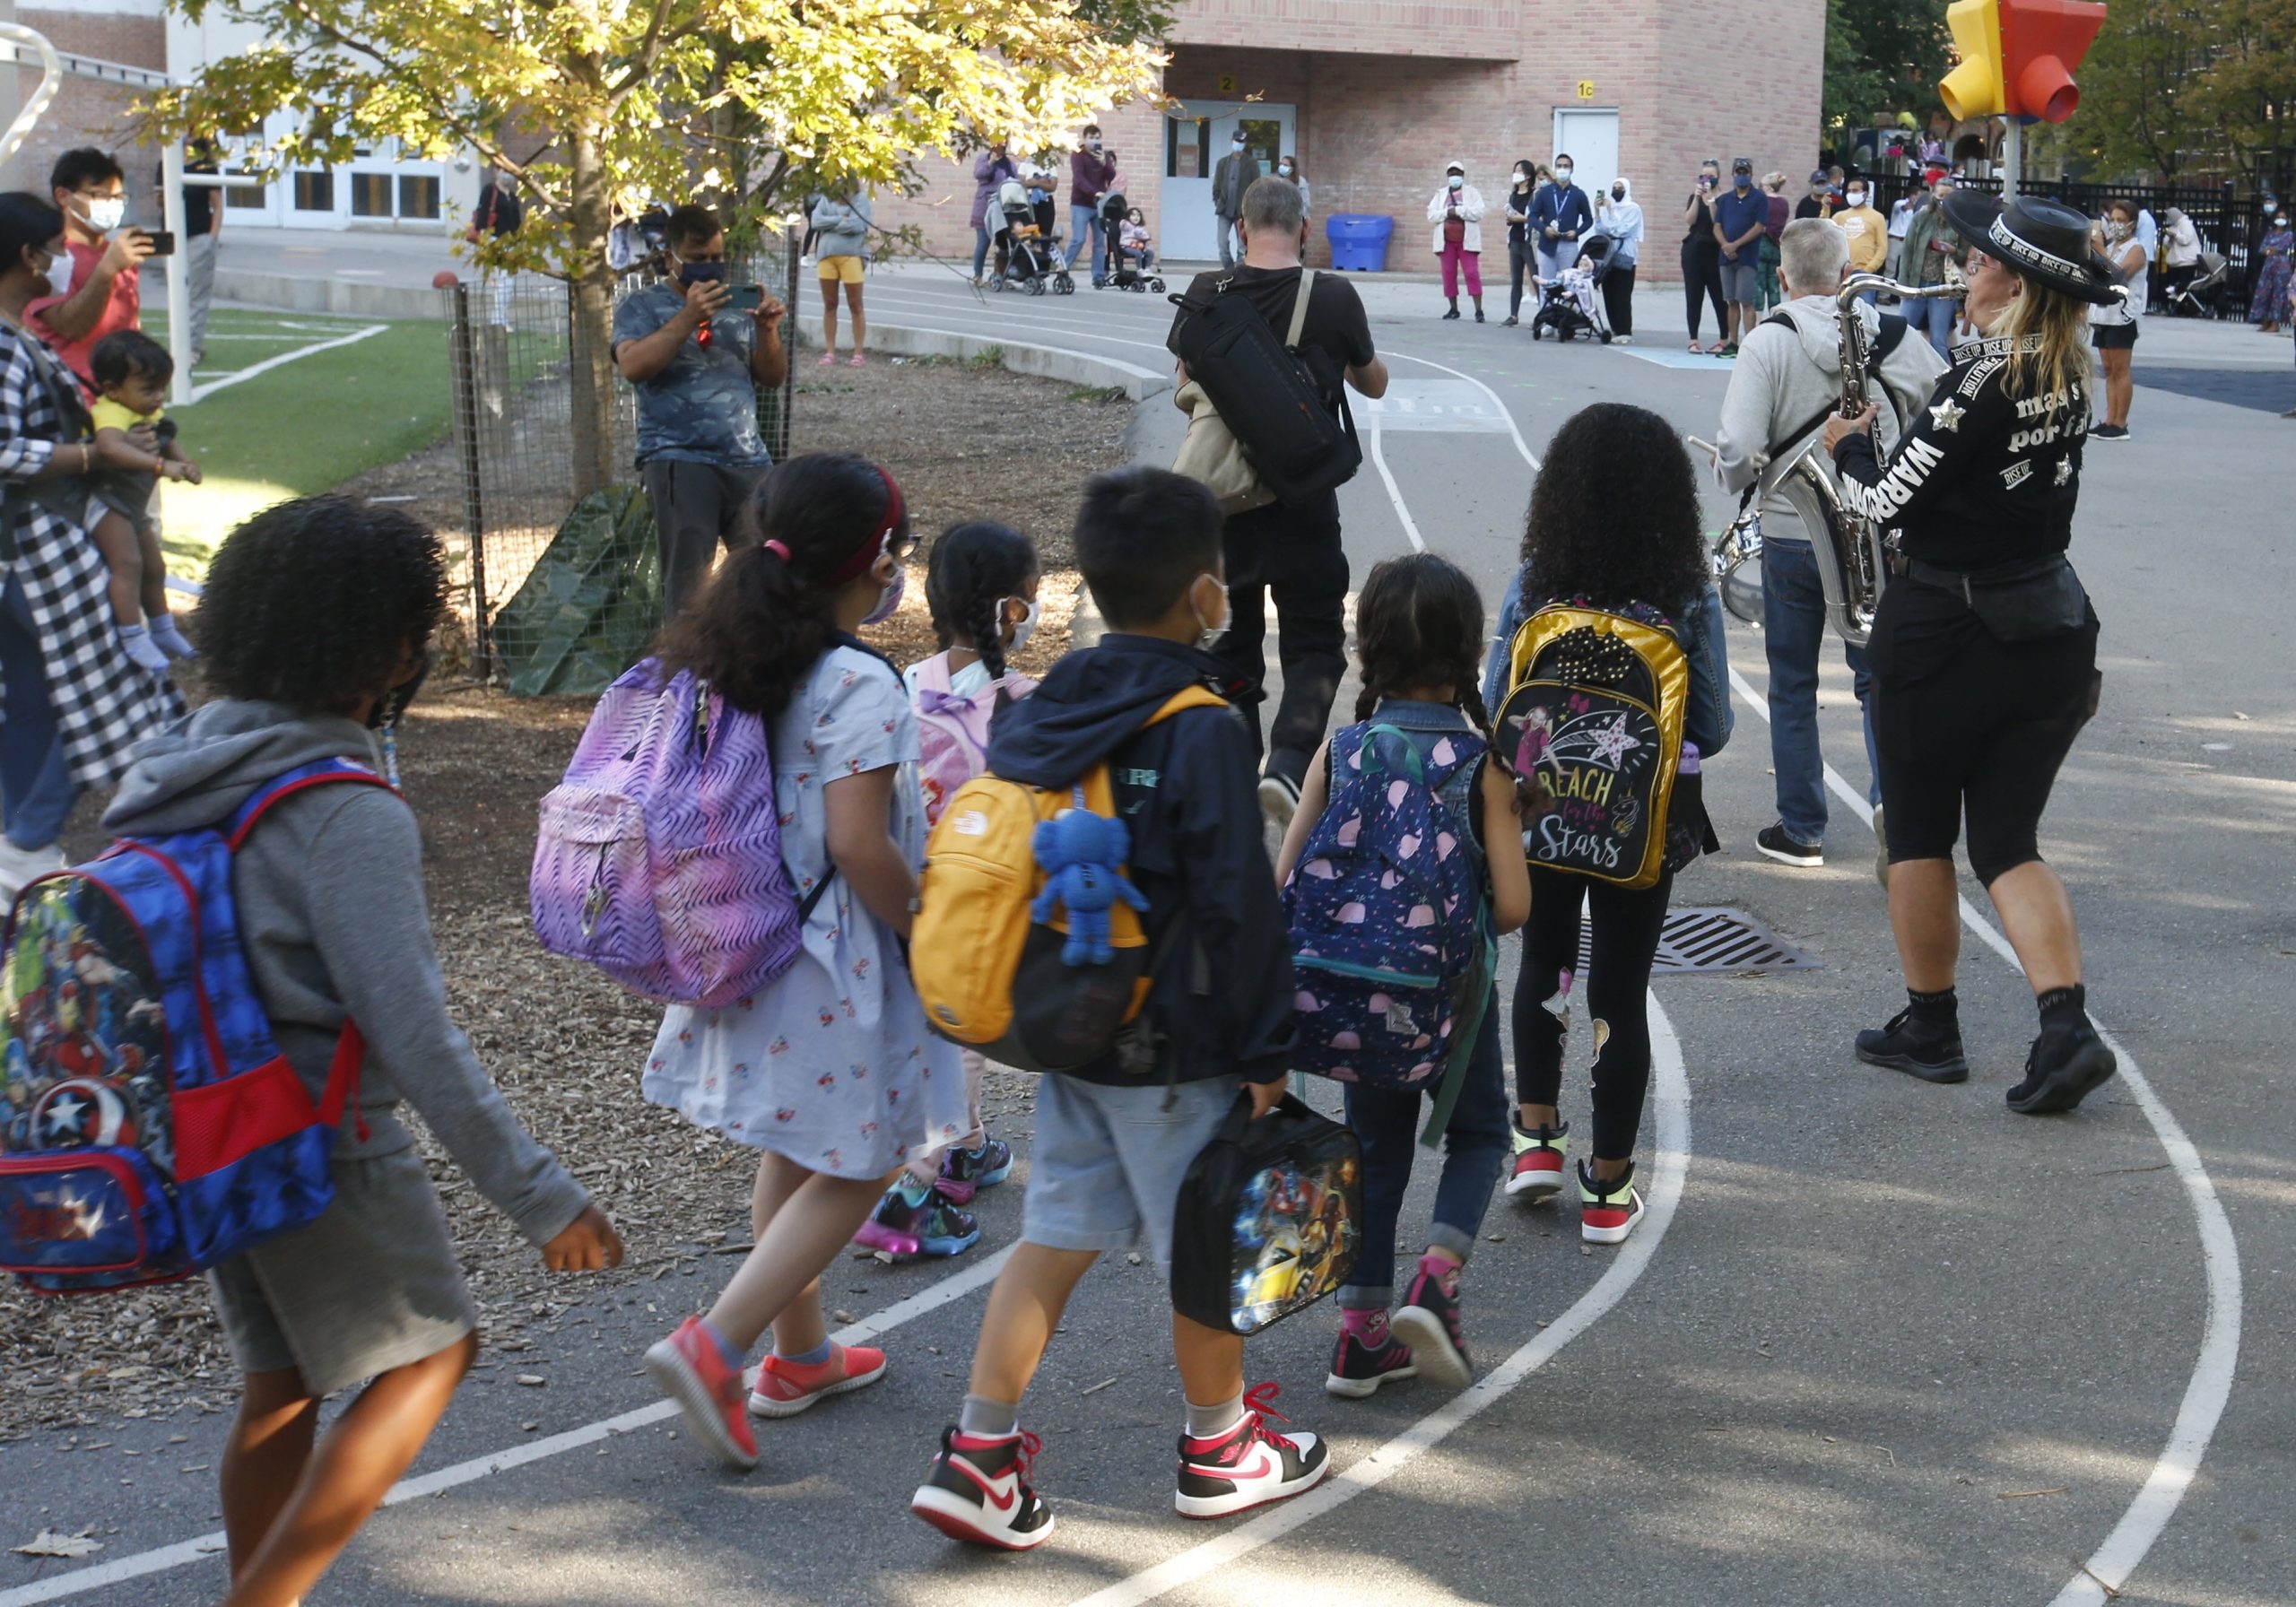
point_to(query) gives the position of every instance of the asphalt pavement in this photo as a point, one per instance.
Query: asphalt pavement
(1880, 1342)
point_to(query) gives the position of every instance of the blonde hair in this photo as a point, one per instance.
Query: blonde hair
(2055, 357)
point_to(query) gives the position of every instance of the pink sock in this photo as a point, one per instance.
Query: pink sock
(1368, 1326)
(1443, 1270)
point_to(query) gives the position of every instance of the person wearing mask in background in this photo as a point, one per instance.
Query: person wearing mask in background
(1561, 215)
(1781, 212)
(1703, 256)
(990, 168)
(1837, 183)
(2112, 326)
(1521, 256)
(842, 224)
(1091, 174)
(1901, 220)
(1043, 186)
(1818, 202)
(1930, 247)
(94, 288)
(1290, 167)
(1621, 222)
(1456, 212)
(1869, 235)
(1236, 172)
(1741, 217)
(2179, 253)
(2270, 302)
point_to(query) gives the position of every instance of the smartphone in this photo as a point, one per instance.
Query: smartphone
(163, 242)
(746, 298)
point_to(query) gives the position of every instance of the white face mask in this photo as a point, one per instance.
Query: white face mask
(1855, 197)
(104, 215)
(1235, 145)
(1209, 635)
(1285, 168)
(59, 274)
(1562, 174)
(1025, 627)
(1522, 178)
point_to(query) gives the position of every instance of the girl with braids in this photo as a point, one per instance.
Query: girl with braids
(1613, 523)
(1418, 638)
(980, 583)
(830, 1069)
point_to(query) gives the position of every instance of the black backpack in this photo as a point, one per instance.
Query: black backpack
(1284, 403)
(1269, 1217)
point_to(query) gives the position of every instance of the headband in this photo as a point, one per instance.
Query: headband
(866, 553)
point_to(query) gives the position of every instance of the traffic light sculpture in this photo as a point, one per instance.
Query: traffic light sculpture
(2018, 57)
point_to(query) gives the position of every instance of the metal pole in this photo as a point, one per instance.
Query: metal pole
(466, 444)
(178, 287)
(2012, 165)
(792, 245)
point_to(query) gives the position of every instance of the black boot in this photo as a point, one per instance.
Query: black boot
(1907, 1044)
(2063, 1065)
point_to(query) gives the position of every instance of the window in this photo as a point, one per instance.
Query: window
(418, 195)
(245, 197)
(313, 191)
(1263, 139)
(1186, 148)
(370, 195)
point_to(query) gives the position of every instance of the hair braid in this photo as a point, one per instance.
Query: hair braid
(987, 626)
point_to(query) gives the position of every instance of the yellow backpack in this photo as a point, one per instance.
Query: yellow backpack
(991, 977)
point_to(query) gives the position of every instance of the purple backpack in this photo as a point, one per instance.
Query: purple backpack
(659, 859)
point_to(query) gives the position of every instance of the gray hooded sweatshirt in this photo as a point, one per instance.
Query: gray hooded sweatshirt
(329, 888)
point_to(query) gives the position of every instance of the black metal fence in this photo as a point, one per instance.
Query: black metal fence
(562, 585)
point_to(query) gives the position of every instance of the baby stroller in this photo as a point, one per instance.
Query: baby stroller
(2202, 295)
(1573, 302)
(1031, 261)
(1125, 271)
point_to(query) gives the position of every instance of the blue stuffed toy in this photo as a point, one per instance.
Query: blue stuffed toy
(1079, 853)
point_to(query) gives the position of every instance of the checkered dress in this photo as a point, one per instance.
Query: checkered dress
(105, 703)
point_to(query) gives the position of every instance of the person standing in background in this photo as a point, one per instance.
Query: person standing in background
(1622, 223)
(1741, 217)
(1236, 172)
(843, 224)
(1869, 236)
(1703, 257)
(1091, 172)
(1781, 212)
(1929, 247)
(1520, 258)
(1901, 220)
(1819, 202)
(2270, 302)
(202, 228)
(104, 292)
(1456, 212)
(990, 168)
(2113, 325)
(1289, 167)
(1560, 217)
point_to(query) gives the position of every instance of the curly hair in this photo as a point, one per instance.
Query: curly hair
(1419, 624)
(1614, 514)
(973, 568)
(762, 622)
(314, 604)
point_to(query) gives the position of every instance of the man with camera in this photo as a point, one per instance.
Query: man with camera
(697, 349)
(103, 293)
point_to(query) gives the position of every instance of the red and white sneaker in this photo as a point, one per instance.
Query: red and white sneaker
(979, 1492)
(1249, 1465)
(692, 1371)
(1608, 1212)
(1536, 1174)
(786, 1388)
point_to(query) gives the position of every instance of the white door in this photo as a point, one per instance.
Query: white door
(1591, 137)
(1195, 137)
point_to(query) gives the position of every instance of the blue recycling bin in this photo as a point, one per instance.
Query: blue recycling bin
(1359, 240)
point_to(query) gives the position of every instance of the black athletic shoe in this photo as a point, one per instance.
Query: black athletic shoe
(1931, 1059)
(2060, 1070)
(979, 1492)
(1429, 1323)
(1249, 1465)
(1510, 322)
(1478, 315)
(1773, 841)
(1451, 315)
(2109, 432)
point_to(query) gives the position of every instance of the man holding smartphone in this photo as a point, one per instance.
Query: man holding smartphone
(696, 363)
(104, 292)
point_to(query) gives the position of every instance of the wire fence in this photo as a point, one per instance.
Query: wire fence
(564, 591)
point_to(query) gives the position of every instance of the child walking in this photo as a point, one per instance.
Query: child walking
(1112, 1147)
(1419, 636)
(1613, 523)
(132, 371)
(318, 617)
(980, 583)
(830, 1070)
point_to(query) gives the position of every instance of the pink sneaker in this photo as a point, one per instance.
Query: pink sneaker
(690, 1370)
(786, 1388)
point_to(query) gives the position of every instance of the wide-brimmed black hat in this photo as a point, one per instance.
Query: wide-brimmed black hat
(2046, 242)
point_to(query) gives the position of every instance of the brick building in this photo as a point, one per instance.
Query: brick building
(1374, 97)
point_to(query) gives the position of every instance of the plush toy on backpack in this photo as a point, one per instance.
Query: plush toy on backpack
(1081, 855)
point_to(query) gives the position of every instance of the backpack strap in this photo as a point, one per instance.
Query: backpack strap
(1182, 700)
(1300, 309)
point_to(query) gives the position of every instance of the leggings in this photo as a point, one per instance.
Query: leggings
(1618, 297)
(1702, 276)
(1627, 927)
(1520, 263)
(1453, 255)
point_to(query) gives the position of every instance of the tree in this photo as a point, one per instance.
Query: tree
(2187, 88)
(1882, 57)
(643, 98)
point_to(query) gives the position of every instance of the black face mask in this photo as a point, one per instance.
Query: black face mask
(393, 703)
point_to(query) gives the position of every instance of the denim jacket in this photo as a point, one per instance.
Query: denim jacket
(1709, 719)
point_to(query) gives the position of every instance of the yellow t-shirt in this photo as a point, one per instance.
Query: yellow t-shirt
(110, 414)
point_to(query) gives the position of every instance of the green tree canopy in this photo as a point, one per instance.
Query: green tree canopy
(1882, 57)
(2187, 89)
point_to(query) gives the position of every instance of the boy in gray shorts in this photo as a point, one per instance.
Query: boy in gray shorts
(1112, 1146)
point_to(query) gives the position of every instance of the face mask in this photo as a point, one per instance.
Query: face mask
(1562, 174)
(2118, 230)
(383, 718)
(1855, 197)
(1209, 635)
(2280, 222)
(1618, 193)
(1285, 169)
(1457, 182)
(1026, 625)
(891, 600)
(694, 273)
(1744, 181)
(1521, 179)
(59, 274)
(106, 215)
(1235, 145)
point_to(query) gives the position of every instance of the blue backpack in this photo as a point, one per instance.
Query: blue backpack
(1389, 939)
(149, 1126)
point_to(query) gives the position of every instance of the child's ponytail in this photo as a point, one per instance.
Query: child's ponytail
(973, 569)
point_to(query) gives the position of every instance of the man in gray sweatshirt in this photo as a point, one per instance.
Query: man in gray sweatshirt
(1788, 377)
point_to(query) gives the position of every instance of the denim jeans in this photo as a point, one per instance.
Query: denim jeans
(1794, 631)
(980, 238)
(1386, 1122)
(37, 791)
(1935, 319)
(1084, 221)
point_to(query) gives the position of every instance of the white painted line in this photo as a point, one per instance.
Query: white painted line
(1379, 462)
(2211, 1385)
(79, 1581)
(1670, 1097)
(269, 364)
(1505, 412)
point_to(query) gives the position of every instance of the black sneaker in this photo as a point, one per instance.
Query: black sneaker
(1510, 322)
(1359, 1366)
(1429, 1323)
(1931, 1059)
(2060, 1070)
(1773, 841)
(2109, 432)
(1478, 315)
(1451, 315)
(1249, 1465)
(979, 1492)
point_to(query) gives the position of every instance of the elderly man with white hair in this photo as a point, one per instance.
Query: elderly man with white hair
(1787, 379)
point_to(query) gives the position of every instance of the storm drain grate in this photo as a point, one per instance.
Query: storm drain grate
(1715, 941)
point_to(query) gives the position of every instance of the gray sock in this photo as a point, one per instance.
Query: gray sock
(1210, 1422)
(989, 1420)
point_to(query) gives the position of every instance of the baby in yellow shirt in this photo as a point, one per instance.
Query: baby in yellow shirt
(132, 371)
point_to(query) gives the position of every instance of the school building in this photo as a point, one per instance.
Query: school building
(1374, 97)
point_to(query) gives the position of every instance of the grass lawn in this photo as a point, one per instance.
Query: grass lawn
(307, 425)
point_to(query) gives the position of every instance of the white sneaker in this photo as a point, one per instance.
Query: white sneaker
(1278, 800)
(1621, 340)
(21, 865)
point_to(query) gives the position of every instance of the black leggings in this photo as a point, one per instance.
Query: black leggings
(1702, 276)
(1627, 927)
(1618, 297)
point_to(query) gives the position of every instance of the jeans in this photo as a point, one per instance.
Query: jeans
(1794, 631)
(1386, 1122)
(1519, 264)
(1766, 262)
(1628, 923)
(980, 238)
(37, 791)
(1935, 319)
(1084, 223)
(1227, 240)
(1555, 256)
(1295, 554)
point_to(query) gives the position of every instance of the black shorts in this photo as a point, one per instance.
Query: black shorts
(2112, 337)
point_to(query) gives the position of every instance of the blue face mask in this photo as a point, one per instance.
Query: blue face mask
(1457, 182)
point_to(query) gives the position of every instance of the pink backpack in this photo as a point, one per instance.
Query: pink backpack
(659, 859)
(953, 731)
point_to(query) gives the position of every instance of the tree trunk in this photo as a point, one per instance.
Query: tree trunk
(590, 348)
